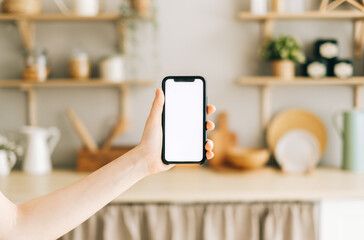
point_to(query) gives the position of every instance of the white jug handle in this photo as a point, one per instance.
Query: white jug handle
(12, 159)
(62, 7)
(53, 135)
(335, 121)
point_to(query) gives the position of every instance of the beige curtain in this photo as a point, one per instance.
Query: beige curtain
(210, 221)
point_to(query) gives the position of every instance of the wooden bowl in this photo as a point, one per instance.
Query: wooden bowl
(248, 158)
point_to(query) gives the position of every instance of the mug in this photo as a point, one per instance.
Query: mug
(352, 135)
(7, 162)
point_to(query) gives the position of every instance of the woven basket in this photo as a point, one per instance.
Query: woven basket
(25, 7)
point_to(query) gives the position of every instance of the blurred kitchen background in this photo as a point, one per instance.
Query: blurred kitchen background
(231, 44)
(190, 38)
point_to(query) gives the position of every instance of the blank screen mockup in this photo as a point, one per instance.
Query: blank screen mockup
(184, 127)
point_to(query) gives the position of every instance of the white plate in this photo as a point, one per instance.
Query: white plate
(297, 151)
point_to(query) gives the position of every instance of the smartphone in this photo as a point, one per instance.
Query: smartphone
(184, 120)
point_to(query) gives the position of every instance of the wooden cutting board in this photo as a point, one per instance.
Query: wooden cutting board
(223, 139)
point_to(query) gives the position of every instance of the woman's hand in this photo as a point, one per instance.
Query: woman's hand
(151, 143)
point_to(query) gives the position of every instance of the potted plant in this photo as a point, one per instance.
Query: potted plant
(283, 52)
(141, 7)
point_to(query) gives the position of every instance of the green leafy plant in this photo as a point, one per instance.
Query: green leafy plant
(283, 48)
(133, 20)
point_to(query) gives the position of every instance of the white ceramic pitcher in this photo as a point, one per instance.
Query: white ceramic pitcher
(7, 162)
(40, 145)
(80, 7)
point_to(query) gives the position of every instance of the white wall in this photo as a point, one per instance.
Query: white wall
(193, 38)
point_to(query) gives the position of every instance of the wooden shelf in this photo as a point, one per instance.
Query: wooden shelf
(60, 17)
(73, 83)
(70, 17)
(349, 15)
(299, 81)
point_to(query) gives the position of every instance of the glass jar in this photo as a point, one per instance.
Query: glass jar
(36, 68)
(79, 65)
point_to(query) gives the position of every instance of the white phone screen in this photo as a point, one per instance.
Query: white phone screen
(184, 120)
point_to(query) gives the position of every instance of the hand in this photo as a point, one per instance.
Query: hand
(151, 143)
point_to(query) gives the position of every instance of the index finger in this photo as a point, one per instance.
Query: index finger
(210, 109)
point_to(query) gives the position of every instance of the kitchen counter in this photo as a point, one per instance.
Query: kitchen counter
(196, 184)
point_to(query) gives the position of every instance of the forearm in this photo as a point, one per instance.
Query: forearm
(51, 216)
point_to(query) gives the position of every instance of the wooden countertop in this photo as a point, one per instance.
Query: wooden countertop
(204, 185)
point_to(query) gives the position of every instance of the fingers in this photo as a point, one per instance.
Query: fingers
(209, 154)
(157, 107)
(209, 145)
(210, 125)
(210, 109)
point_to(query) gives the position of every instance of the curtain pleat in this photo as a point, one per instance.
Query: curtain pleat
(210, 221)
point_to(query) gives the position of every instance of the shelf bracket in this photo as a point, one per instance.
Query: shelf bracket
(26, 30)
(358, 38)
(124, 100)
(323, 5)
(357, 96)
(32, 105)
(268, 29)
(265, 106)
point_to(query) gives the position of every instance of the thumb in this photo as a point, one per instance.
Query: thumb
(157, 107)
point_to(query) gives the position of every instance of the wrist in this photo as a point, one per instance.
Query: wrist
(140, 161)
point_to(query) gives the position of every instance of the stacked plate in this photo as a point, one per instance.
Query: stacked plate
(298, 140)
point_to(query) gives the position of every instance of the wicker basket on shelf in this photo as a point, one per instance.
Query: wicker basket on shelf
(24, 7)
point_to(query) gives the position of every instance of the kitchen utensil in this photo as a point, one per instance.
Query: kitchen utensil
(352, 134)
(112, 68)
(91, 161)
(7, 162)
(82, 131)
(297, 151)
(223, 139)
(296, 119)
(120, 127)
(26, 7)
(80, 7)
(248, 158)
(40, 145)
(259, 7)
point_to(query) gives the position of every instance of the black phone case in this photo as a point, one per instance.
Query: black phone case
(186, 79)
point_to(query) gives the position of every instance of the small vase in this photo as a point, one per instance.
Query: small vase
(7, 162)
(284, 69)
